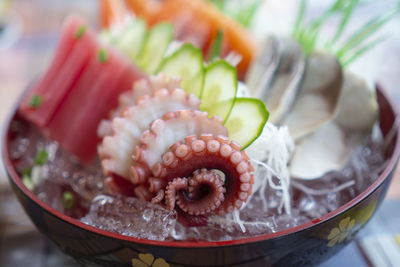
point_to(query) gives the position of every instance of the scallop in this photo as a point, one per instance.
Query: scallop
(331, 146)
(318, 97)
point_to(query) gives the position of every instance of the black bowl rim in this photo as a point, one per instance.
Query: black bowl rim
(13, 175)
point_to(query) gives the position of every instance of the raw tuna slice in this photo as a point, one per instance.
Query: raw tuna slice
(80, 89)
(96, 92)
(72, 55)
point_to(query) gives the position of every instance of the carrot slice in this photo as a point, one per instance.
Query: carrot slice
(112, 11)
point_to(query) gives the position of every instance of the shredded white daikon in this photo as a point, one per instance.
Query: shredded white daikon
(271, 153)
(320, 192)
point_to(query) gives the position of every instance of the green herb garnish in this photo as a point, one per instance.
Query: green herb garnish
(241, 11)
(26, 180)
(35, 101)
(41, 157)
(216, 46)
(68, 200)
(80, 32)
(27, 171)
(102, 55)
(347, 51)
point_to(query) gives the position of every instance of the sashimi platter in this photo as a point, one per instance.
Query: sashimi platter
(170, 122)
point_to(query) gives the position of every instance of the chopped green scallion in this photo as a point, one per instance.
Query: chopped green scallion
(68, 200)
(41, 157)
(27, 171)
(81, 30)
(35, 101)
(26, 180)
(102, 55)
(216, 46)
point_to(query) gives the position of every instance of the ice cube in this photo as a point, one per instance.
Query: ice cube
(131, 217)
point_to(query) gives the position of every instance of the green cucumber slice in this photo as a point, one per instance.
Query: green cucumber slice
(219, 90)
(246, 120)
(106, 37)
(155, 46)
(131, 39)
(187, 63)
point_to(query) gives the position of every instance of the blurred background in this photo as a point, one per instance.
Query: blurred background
(28, 35)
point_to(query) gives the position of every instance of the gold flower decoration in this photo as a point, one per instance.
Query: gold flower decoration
(148, 260)
(338, 234)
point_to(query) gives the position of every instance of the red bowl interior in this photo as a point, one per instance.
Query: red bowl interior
(388, 117)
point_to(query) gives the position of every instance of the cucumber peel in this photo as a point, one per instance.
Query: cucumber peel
(219, 90)
(246, 120)
(157, 42)
(187, 63)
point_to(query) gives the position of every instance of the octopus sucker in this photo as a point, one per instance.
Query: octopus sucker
(129, 130)
(139, 174)
(145, 87)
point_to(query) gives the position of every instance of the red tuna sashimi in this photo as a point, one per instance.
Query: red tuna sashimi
(73, 53)
(96, 93)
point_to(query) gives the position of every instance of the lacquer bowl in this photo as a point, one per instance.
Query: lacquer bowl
(304, 245)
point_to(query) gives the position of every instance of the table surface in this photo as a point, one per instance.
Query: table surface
(27, 57)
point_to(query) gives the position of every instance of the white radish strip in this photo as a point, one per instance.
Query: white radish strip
(320, 192)
(272, 162)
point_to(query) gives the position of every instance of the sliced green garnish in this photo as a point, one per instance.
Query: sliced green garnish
(27, 171)
(35, 101)
(246, 120)
(154, 48)
(41, 157)
(106, 37)
(132, 39)
(220, 86)
(216, 46)
(242, 11)
(26, 180)
(308, 33)
(102, 55)
(187, 63)
(79, 33)
(68, 200)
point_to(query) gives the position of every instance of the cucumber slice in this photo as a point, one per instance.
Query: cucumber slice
(105, 37)
(155, 46)
(246, 120)
(187, 63)
(219, 91)
(132, 38)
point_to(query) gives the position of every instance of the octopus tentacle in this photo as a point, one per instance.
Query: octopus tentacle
(140, 88)
(115, 151)
(205, 193)
(172, 189)
(159, 197)
(173, 127)
(211, 153)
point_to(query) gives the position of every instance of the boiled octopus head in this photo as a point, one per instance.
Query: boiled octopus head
(162, 149)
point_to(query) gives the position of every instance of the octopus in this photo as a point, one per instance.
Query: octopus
(161, 148)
